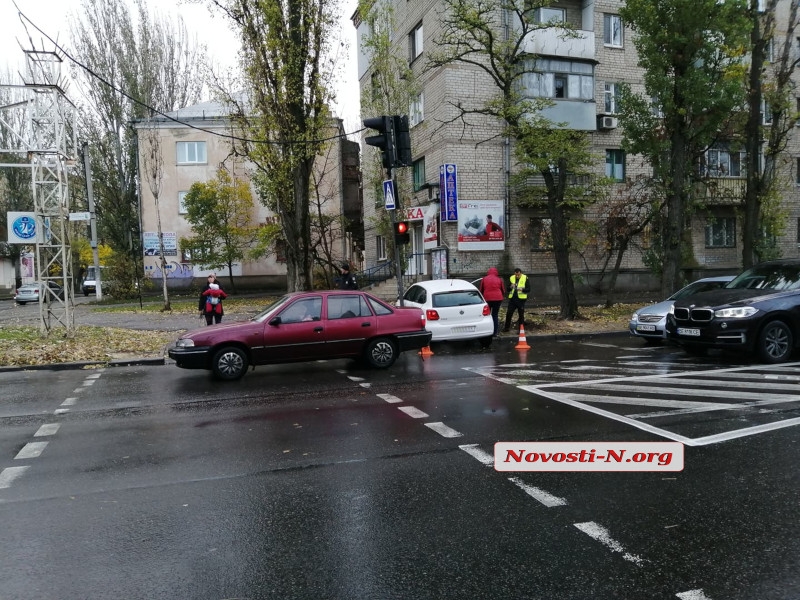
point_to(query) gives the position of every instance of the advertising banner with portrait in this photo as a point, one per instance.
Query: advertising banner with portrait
(150, 242)
(481, 225)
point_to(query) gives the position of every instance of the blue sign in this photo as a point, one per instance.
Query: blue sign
(388, 194)
(448, 192)
(24, 227)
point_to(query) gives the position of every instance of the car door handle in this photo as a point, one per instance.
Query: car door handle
(317, 329)
(366, 324)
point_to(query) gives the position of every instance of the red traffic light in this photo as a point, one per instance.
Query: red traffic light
(401, 233)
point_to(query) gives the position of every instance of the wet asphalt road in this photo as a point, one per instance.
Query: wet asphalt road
(326, 480)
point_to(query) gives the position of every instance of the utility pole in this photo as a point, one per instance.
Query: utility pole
(87, 166)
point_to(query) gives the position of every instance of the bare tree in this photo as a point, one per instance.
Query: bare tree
(152, 160)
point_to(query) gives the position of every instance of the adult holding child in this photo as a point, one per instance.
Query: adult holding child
(211, 297)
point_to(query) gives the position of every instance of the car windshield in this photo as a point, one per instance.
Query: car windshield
(269, 310)
(696, 288)
(768, 277)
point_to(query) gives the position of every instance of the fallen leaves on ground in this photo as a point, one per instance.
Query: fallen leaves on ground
(24, 346)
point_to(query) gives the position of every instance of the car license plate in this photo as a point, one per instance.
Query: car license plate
(645, 328)
(686, 331)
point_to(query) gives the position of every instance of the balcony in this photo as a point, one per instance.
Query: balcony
(721, 191)
(551, 42)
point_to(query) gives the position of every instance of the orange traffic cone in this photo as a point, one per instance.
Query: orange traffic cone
(522, 344)
(426, 351)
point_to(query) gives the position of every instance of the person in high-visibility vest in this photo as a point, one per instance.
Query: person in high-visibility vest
(517, 295)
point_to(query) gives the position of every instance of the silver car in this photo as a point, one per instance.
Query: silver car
(30, 291)
(649, 321)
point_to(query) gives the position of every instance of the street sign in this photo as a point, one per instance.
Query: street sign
(448, 192)
(388, 194)
(80, 216)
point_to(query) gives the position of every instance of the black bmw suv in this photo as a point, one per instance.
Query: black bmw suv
(758, 312)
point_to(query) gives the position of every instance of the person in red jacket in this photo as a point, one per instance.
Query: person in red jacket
(211, 298)
(494, 290)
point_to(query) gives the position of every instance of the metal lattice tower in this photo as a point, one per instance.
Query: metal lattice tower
(46, 135)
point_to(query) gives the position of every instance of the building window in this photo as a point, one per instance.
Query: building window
(558, 78)
(548, 14)
(615, 164)
(416, 110)
(610, 97)
(191, 153)
(721, 232)
(612, 30)
(419, 173)
(540, 233)
(380, 245)
(723, 162)
(415, 42)
(766, 113)
(182, 203)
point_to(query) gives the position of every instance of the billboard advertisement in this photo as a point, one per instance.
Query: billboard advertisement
(481, 225)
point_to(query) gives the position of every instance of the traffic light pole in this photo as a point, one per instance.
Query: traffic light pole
(392, 221)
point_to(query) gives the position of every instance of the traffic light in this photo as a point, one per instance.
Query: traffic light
(385, 140)
(401, 233)
(402, 142)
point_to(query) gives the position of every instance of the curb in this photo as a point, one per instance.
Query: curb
(128, 362)
(135, 362)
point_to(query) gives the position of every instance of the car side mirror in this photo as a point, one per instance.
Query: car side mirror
(275, 321)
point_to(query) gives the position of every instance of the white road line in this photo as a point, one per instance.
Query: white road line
(31, 450)
(600, 533)
(611, 415)
(8, 475)
(365, 385)
(732, 435)
(69, 402)
(475, 452)
(693, 595)
(48, 429)
(538, 494)
(389, 398)
(443, 430)
(94, 376)
(635, 401)
(413, 412)
(762, 385)
(354, 378)
(60, 411)
(88, 382)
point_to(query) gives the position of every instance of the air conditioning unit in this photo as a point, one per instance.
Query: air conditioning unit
(604, 122)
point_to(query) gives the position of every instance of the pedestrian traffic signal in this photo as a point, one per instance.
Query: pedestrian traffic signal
(401, 233)
(402, 142)
(385, 140)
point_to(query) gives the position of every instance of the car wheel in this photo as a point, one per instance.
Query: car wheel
(85, 293)
(229, 363)
(775, 342)
(20, 303)
(381, 353)
(696, 350)
(486, 342)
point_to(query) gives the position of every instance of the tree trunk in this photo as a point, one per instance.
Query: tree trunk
(561, 245)
(752, 200)
(612, 283)
(676, 209)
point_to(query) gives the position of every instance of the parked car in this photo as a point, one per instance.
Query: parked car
(454, 310)
(649, 322)
(305, 326)
(30, 291)
(759, 311)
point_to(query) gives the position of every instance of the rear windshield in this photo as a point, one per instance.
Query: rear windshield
(768, 277)
(457, 298)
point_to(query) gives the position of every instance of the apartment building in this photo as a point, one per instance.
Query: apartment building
(462, 174)
(195, 144)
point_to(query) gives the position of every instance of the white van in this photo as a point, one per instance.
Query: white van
(89, 283)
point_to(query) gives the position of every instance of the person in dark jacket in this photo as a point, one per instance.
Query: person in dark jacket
(347, 281)
(210, 303)
(493, 290)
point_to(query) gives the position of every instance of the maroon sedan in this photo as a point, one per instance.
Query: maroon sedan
(306, 326)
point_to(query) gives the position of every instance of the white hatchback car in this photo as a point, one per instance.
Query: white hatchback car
(454, 310)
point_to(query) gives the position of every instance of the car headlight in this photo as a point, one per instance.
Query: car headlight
(735, 313)
(672, 309)
(635, 317)
(184, 343)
